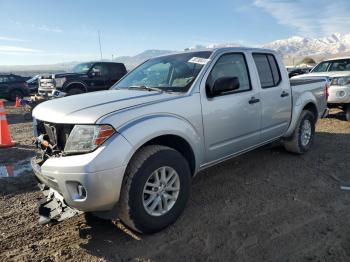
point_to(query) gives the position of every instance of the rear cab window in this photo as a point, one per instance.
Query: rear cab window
(117, 69)
(268, 70)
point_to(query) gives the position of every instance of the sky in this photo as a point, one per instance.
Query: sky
(47, 32)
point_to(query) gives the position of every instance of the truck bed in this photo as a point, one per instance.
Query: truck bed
(297, 82)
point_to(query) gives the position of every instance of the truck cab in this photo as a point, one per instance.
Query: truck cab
(83, 78)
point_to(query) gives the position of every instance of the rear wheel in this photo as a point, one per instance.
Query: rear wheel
(347, 112)
(155, 189)
(301, 139)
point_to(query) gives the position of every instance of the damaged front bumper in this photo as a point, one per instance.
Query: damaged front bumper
(69, 192)
(52, 208)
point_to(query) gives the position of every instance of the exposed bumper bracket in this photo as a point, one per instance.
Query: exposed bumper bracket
(53, 209)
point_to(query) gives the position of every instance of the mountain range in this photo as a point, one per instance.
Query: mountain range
(301, 46)
(295, 47)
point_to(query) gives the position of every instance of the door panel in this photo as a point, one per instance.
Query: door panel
(276, 101)
(97, 81)
(4, 86)
(231, 124)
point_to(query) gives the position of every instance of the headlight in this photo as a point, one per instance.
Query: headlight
(340, 81)
(60, 81)
(86, 138)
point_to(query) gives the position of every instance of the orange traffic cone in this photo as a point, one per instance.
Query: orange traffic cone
(18, 103)
(5, 138)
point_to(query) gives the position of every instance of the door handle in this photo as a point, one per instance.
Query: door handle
(254, 100)
(284, 93)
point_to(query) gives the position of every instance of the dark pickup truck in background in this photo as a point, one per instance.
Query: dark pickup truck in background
(85, 77)
(12, 86)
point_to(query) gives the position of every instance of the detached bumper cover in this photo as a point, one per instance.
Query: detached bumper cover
(52, 208)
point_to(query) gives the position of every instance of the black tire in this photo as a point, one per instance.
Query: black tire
(143, 164)
(14, 93)
(28, 116)
(92, 219)
(347, 112)
(74, 91)
(293, 143)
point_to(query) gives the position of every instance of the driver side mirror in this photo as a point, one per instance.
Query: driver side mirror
(222, 85)
(94, 73)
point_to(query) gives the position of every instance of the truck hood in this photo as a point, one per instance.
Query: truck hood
(88, 108)
(60, 75)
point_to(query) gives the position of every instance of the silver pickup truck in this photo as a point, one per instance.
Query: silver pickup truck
(131, 152)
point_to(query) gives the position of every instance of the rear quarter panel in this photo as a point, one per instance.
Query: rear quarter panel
(307, 91)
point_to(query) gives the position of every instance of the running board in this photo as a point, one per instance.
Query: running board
(53, 209)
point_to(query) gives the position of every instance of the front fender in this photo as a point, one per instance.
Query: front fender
(299, 103)
(140, 131)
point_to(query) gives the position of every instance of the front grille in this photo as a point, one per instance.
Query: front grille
(47, 83)
(56, 134)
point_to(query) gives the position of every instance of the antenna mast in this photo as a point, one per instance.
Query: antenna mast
(99, 41)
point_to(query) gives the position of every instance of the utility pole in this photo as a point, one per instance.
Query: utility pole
(99, 41)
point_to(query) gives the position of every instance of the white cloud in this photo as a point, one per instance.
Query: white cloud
(6, 49)
(310, 18)
(5, 38)
(47, 28)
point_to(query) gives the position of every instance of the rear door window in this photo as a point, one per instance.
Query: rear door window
(116, 69)
(268, 70)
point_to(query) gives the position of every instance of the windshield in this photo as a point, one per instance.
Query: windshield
(172, 73)
(82, 68)
(334, 65)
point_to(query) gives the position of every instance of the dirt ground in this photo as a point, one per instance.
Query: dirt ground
(267, 205)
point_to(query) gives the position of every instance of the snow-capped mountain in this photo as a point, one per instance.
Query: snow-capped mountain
(301, 46)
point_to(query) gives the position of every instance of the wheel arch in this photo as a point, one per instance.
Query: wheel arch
(79, 85)
(299, 107)
(165, 130)
(179, 144)
(312, 108)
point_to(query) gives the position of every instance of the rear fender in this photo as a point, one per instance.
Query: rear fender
(299, 103)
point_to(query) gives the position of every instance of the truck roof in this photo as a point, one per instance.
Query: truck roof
(224, 49)
(109, 62)
(337, 58)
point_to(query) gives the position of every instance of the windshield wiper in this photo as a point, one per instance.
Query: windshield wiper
(147, 88)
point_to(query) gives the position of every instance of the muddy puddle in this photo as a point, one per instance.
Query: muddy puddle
(12, 170)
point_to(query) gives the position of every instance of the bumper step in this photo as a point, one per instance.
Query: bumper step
(52, 209)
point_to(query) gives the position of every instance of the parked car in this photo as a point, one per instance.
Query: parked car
(337, 71)
(85, 77)
(298, 71)
(12, 86)
(132, 151)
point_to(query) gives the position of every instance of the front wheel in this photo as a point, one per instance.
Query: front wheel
(75, 91)
(155, 189)
(301, 139)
